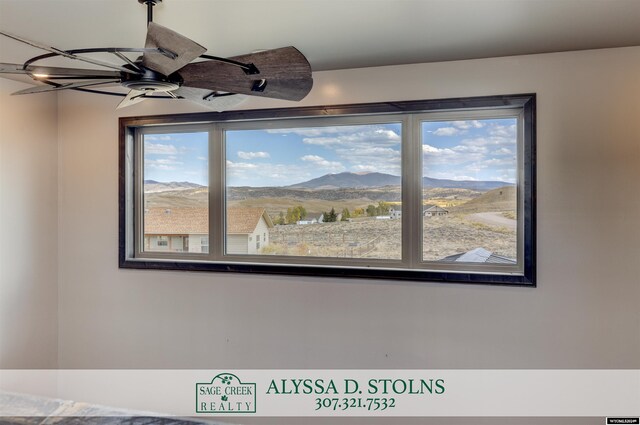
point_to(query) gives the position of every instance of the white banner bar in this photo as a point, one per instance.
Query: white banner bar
(308, 393)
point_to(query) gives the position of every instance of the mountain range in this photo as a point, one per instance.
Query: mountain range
(370, 180)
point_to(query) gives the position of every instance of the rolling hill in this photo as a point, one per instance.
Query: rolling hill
(501, 199)
(152, 186)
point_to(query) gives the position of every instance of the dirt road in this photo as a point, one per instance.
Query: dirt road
(494, 219)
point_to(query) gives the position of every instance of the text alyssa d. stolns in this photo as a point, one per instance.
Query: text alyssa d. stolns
(351, 386)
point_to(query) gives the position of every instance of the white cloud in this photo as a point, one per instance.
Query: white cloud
(252, 155)
(203, 158)
(266, 174)
(166, 164)
(318, 131)
(495, 162)
(240, 165)
(319, 161)
(467, 149)
(312, 158)
(159, 149)
(502, 151)
(446, 131)
(157, 138)
(369, 135)
(465, 125)
(452, 156)
(503, 131)
(496, 141)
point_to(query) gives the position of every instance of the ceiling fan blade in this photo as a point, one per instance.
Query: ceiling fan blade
(15, 68)
(67, 55)
(286, 71)
(133, 97)
(47, 88)
(285, 62)
(202, 97)
(179, 48)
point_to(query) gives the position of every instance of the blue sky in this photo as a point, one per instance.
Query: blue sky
(459, 150)
(281, 157)
(470, 150)
(176, 157)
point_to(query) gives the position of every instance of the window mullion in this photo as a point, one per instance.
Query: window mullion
(411, 193)
(216, 193)
(138, 195)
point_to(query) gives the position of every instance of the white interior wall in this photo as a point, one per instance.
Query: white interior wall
(28, 229)
(582, 315)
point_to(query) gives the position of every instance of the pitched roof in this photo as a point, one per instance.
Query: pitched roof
(478, 255)
(245, 220)
(433, 208)
(176, 221)
(190, 221)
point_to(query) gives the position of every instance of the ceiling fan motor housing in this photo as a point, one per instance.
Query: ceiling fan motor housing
(151, 81)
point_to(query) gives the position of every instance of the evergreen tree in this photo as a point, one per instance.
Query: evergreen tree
(331, 216)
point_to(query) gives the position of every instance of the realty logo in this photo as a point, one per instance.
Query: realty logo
(225, 394)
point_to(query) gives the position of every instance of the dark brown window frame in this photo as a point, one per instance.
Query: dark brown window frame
(527, 103)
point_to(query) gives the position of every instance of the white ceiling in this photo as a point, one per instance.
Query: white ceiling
(333, 34)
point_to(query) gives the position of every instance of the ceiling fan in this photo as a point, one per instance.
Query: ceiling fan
(172, 66)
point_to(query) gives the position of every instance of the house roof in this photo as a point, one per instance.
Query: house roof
(245, 220)
(176, 221)
(190, 221)
(433, 208)
(478, 255)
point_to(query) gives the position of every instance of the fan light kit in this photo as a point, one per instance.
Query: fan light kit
(172, 66)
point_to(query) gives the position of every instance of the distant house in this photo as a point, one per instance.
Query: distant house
(187, 230)
(176, 229)
(395, 211)
(433, 211)
(247, 230)
(311, 220)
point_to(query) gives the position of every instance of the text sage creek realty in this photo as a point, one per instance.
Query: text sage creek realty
(352, 386)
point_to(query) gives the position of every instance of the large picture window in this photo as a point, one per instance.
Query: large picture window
(439, 191)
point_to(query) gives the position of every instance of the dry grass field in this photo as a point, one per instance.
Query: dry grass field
(366, 237)
(371, 238)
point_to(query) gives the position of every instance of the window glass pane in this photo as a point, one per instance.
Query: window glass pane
(469, 191)
(175, 199)
(316, 191)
